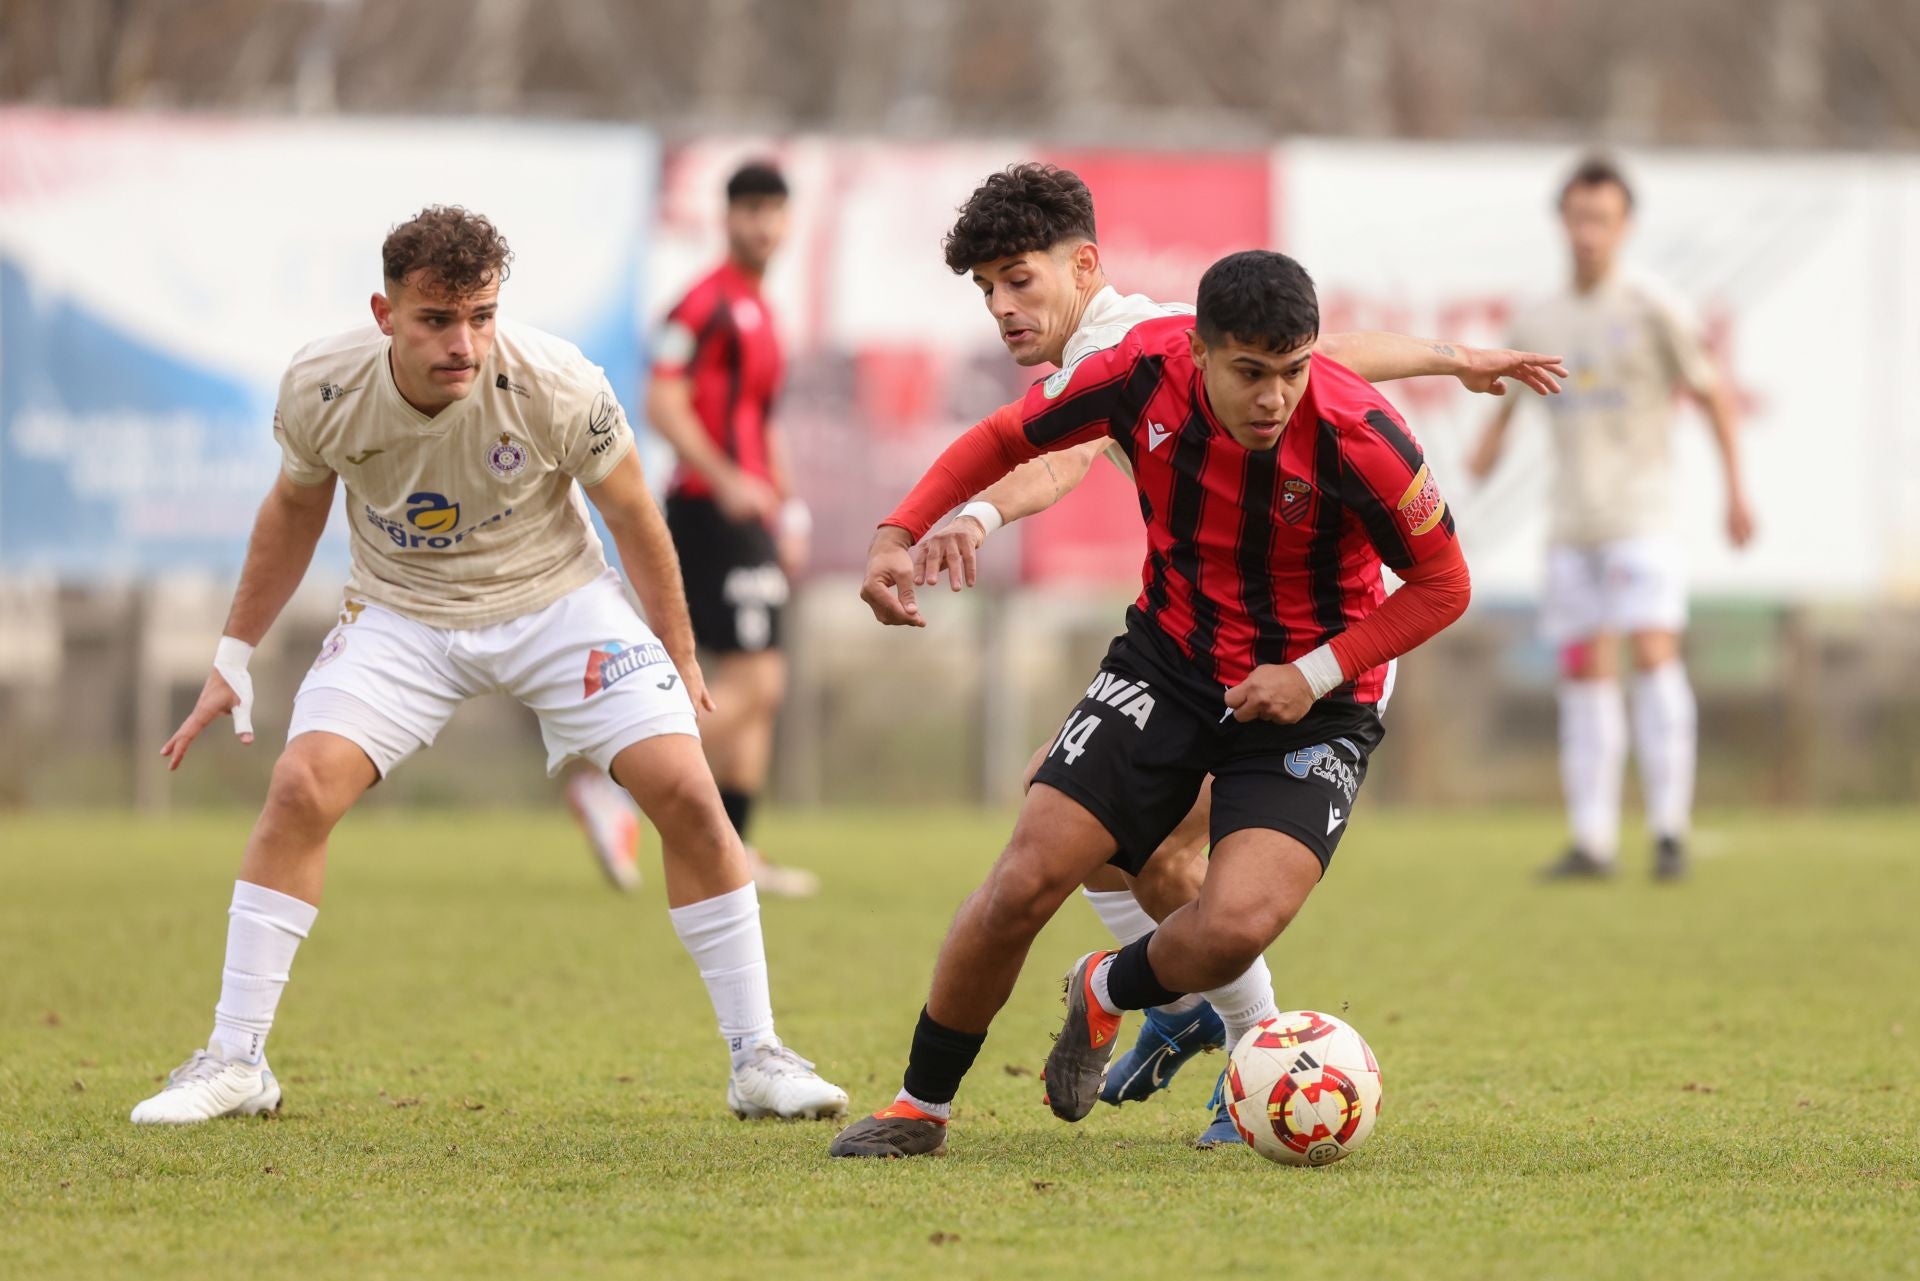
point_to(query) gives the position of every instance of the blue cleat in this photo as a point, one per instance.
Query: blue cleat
(1223, 1131)
(1166, 1041)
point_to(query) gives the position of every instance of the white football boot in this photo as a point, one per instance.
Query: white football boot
(776, 1082)
(612, 823)
(210, 1085)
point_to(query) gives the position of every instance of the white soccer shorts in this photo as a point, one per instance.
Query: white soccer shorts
(587, 665)
(1616, 588)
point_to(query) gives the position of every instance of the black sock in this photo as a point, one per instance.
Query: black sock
(940, 1057)
(739, 807)
(1131, 982)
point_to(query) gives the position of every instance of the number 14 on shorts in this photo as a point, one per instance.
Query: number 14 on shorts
(1131, 699)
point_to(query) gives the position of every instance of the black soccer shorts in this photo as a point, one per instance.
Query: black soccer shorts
(1135, 748)
(736, 590)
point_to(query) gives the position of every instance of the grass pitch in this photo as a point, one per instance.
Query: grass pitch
(494, 1066)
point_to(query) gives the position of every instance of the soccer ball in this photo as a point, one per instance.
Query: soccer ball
(1303, 1088)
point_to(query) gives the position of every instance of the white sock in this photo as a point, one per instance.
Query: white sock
(1126, 920)
(1097, 984)
(944, 1111)
(1593, 752)
(1666, 741)
(722, 935)
(264, 929)
(1245, 1001)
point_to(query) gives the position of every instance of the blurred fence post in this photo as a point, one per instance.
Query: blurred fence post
(149, 690)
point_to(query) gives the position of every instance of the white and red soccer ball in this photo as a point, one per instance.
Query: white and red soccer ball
(1303, 1088)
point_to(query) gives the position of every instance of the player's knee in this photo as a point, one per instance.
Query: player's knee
(1022, 893)
(301, 792)
(1235, 940)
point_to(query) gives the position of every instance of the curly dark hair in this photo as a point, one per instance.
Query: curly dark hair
(1016, 211)
(458, 251)
(1259, 298)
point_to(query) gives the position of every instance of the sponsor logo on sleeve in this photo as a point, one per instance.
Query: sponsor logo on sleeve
(602, 419)
(1421, 506)
(1057, 382)
(505, 383)
(330, 392)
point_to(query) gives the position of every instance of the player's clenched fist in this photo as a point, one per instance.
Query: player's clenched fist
(1271, 692)
(888, 589)
(951, 548)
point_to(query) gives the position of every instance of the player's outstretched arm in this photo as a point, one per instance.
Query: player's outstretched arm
(1031, 487)
(646, 550)
(1381, 357)
(285, 532)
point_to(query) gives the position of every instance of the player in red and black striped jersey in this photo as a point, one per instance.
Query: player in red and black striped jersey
(736, 525)
(1274, 485)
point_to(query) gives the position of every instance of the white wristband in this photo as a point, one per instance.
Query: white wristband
(796, 518)
(986, 513)
(232, 653)
(1321, 669)
(230, 660)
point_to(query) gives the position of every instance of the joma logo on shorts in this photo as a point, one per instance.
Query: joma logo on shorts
(1116, 691)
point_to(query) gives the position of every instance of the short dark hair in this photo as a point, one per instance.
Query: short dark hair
(1596, 171)
(1260, 298)
(459, 251)
(754, 179)
(1021, 209)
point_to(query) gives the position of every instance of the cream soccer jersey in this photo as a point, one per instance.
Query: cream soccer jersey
(470, 517)
(1628, 350)
(1108, 317)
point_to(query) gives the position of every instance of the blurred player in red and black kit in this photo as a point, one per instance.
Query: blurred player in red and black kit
(1274, 483)
(738, 528)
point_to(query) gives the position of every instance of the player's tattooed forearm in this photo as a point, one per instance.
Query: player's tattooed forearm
(1442, 349)
(1058, 491)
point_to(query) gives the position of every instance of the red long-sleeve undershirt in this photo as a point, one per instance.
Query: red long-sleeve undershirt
(1433, 594)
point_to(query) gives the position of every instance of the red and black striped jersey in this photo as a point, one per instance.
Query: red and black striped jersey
(1253, 556)
(720, 336)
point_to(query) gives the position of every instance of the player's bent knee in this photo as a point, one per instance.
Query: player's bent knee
(307, 790)
(1022, 893)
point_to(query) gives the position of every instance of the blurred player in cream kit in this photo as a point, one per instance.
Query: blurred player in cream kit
(1027, 238)
(740, 530)
(464, 444)
(1614, 566)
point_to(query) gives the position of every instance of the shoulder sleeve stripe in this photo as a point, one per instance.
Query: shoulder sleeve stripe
(1396, 436)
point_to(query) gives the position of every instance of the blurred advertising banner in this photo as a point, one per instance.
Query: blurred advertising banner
(1804, 273)
(156, 273)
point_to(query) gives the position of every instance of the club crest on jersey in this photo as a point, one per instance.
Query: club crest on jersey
(506, 459)
(1296, 497)
(330, 648)
(615, 662)
(1421, 506)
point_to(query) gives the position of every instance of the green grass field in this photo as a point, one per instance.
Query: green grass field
(496, 1067)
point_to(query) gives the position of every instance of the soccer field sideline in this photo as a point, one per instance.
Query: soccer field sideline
(496, 1067)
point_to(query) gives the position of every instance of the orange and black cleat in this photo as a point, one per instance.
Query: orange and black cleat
(897, 1130)
(1077, 1064)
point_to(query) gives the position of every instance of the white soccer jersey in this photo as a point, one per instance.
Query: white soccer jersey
(1110, 314)
(1108, 317)
(470, 517)
(1628, 349)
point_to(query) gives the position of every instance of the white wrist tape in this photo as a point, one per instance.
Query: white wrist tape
(986, 513)
(230, 659)
(1321, 669)
(796, 518)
